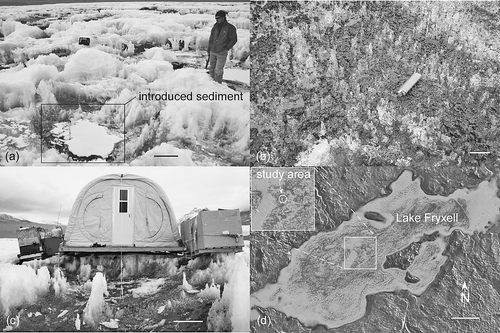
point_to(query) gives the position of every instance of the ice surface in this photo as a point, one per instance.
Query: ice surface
(43, 280)
(9, 246)
(88, 64)
(87, 285)
(148, 287)
(121, 24)
(211, 292)
(91, 139)
(241, 50)
(247, 64)
(16, 31)
(6, 52)
(238, 291)
(183, 156)
(235, 74)
(218, 319)
(18, 86)
(95, 305)
(60, 129)
(19, 284)
(185, 283)
(158, 53)
(203, 120)
(19, 142)
(317, 154)
(78, 322)
(50, 60)
(85, 271)
(110, 324)
(232, 311)
(59, 282)
(50, 67)
(220, 270)
(149, 70)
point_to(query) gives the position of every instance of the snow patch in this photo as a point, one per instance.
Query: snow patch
(148, 287)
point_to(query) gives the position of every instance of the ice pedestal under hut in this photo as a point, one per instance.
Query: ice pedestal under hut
(95, 305)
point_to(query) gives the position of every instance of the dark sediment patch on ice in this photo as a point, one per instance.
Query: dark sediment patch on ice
(61, 52)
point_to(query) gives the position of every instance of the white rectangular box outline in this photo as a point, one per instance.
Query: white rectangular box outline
(376, 252)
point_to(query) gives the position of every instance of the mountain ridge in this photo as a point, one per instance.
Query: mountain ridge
(9, 224)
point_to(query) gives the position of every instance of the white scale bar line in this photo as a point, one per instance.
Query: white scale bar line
(466, 318)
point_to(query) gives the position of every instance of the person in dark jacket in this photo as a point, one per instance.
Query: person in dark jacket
(222, 39)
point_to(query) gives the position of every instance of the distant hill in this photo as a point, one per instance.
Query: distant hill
(9, 224)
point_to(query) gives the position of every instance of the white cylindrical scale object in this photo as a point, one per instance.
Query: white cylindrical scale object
(409, 84)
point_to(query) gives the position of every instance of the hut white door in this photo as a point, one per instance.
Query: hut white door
(123, 216)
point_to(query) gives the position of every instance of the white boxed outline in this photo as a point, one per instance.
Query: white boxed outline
(376, 252)
(314, 194)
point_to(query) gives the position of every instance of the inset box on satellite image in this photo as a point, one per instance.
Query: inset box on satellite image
(360, 252)
(395, 250)
(283, 198)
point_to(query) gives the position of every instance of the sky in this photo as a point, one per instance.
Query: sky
(39, 193)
